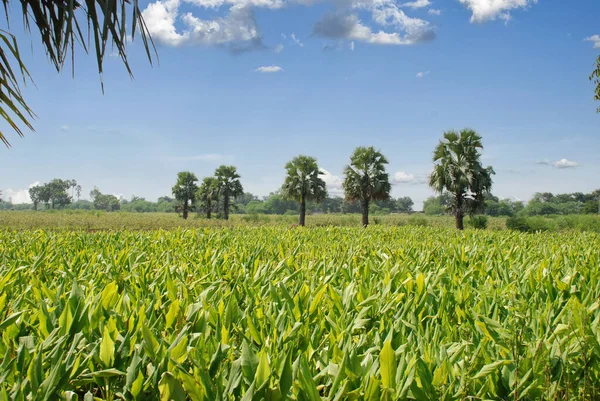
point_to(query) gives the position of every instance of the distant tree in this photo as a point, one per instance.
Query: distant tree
(437, 205)
(366, 179)
(35, 193)
(229, 186)
(107, 202)
(404, 205)
(275, 203)
(185, 190)
(458, 170)
(303, 183)
(53, 194)
(208, 194)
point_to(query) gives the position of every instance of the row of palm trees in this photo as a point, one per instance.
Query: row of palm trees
(457, 171)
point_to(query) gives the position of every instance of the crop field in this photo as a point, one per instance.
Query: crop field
(274, 313)
(94, 220)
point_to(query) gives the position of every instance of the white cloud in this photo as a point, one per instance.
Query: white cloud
(348, 26)
(401, 177)
(237, 31)
(19, 195)
(269, 69)
(278, 48)
(351, 46)
(421, 74)
(433, 11)
(296, 40)
(487, 10)
(562, 163)
(417, 4)
(595, 39)
(65, 127)
(333, 182)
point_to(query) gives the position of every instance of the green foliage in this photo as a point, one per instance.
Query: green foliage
(106, 202)
(53, 194)
(230, 186)
(458, 170)
(388, 313)
(366, 179)
(437, 205)
(478, 222)
(61, 25)
(208, 195)
(303, 181)
(185, 190)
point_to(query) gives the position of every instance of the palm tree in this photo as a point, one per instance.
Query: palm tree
(185, 190)
(208, 193)
(61, 25)
(229, 186)
(366, 179)
(303, 183)
(458, 170)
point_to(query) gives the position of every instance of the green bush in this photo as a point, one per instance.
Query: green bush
(530, 224)
(478, 222)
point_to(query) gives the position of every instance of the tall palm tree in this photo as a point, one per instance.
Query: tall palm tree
(303, 183)
(208, 193)
(229, 186)
(458, 170)
(366, 179)
(61, 25)
(185, 190)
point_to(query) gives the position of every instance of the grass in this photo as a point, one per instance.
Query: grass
(95, 220)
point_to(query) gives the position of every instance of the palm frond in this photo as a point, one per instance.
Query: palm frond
(58, 23)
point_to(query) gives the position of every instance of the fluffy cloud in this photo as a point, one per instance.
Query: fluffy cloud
(18, 195)
(562, 163)
(595, 39)
(417, 4)
(333, 182)
(421, 74)
(269, 69)
(237, 31)
(65, 127)
(433, 11)
(341, 25)
(403, 178)
(487, 10)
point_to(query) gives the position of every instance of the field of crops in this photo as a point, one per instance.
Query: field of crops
(94, 220)
(272, 313)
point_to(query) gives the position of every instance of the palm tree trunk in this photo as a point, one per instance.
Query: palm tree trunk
(365, 212)
(208, 209)
(302, 211)
(458, 214)
(226, 206)
(185, 210)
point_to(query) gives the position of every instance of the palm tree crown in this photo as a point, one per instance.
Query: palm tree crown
(303, 184)
(303, 181)
(458, 170)
(229, 186)
(366, 179)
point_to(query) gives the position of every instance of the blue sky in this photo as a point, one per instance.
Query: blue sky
(256, 82)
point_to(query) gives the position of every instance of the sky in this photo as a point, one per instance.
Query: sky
(254, 83)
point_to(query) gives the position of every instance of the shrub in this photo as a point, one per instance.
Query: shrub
(478, 222)
(417, 221)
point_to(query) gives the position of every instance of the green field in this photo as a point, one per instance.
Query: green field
(273, 313)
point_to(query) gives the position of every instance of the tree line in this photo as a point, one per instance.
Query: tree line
(458, 173)
(463, 185)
